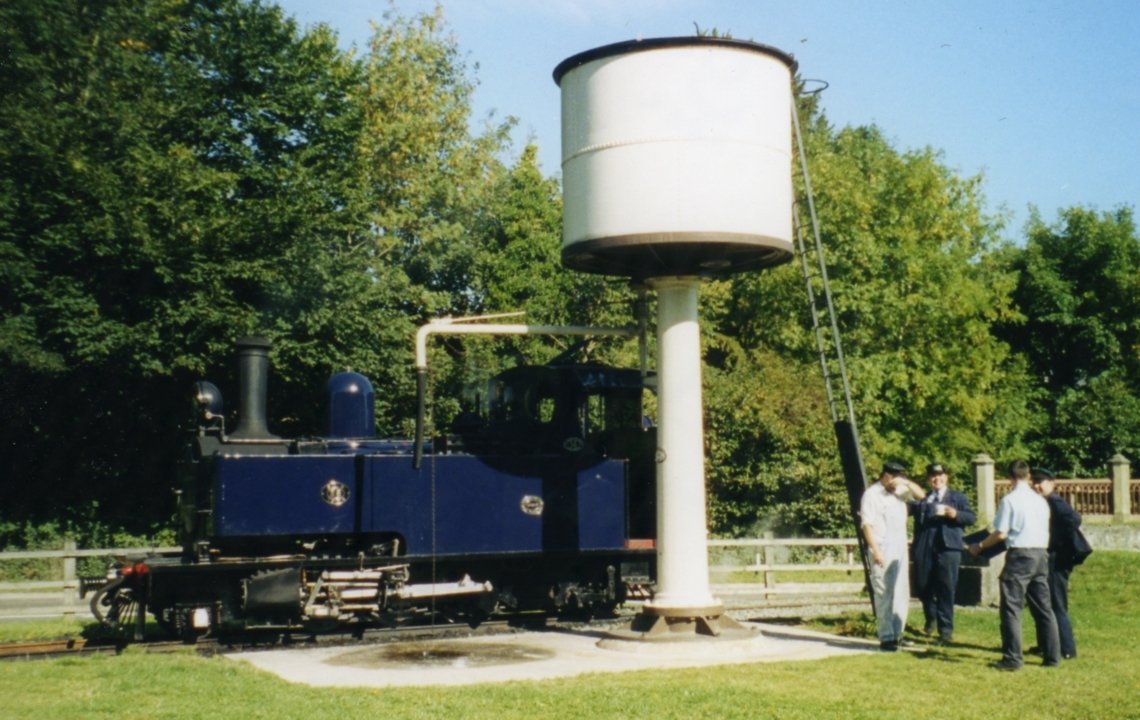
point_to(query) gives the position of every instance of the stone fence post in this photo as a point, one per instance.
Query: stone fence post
(70, 579)
(984, 481)
(989, 591)
(1121, 471)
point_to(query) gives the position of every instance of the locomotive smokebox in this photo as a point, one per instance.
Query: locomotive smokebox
(253, 370)
(676, 157)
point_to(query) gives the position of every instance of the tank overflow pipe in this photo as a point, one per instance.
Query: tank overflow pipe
(450, 326)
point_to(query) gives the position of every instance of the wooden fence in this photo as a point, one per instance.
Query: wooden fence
(768, 556)
(55, 598)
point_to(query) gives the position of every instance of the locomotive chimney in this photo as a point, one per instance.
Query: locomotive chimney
(253, 370)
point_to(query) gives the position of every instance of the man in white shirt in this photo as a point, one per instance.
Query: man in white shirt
(1022, 521)
(883, 514)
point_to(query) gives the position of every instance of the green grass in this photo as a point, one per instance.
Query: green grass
(24, 630)
(939, 683)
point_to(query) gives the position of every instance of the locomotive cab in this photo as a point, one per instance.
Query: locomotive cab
(556, 408)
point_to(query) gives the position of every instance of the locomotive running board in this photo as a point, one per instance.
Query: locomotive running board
(466, 586)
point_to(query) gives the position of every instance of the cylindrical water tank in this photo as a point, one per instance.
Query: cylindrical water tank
(676, 157)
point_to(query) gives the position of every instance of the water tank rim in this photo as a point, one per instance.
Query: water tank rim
(630, 46)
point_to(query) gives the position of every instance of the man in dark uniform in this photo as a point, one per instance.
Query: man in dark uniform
(938, 522)
(1064, 555)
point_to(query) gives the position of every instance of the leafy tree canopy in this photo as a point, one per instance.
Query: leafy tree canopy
(177, 174)
(909, 254)
(1078, 289)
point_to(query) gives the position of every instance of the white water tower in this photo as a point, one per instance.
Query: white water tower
(677, 166)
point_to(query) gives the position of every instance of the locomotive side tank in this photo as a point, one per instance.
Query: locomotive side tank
(543, 501)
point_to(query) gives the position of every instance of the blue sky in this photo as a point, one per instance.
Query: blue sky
(1042, 97)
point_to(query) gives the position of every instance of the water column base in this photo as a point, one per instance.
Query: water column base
(681, 623)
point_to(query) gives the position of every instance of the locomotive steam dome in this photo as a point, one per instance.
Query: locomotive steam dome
(676, 157)
(351, 407)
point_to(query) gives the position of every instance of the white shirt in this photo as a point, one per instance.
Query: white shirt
(885, 513)
(1023, 516)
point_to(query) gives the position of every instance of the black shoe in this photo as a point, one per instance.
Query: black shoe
(946, 640)
(889, 646)
(1070, 657)
(1006, 665)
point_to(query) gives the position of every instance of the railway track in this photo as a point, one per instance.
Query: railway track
(47, 649)
(50, 648)
(741, 606)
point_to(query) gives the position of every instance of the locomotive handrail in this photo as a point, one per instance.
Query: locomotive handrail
(463, 326)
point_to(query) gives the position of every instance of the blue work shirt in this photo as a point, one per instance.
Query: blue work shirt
(1023, 517)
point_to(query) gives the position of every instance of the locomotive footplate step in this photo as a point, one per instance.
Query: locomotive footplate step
(536, 655)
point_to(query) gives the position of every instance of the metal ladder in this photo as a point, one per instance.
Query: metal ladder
(830, 352)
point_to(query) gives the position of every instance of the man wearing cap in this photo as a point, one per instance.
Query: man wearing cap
(1064, 555)
(882, 513)
(1022, 521)
(938, 522)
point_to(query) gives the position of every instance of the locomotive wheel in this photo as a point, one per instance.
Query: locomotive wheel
(118, 610)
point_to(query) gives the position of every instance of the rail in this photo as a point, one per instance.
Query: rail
(767, 557)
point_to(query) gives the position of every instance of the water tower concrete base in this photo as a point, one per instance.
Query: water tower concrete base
(683, 625)
(680, 622)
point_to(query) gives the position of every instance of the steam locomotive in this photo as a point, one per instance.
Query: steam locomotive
(541, 500)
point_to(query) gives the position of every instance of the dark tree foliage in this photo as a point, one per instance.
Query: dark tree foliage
(1079, 291)
(173, 175)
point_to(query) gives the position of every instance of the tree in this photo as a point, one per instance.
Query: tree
(1078, 288)
(910, 259)
(172, 175)
(428, 177)
(772, 462)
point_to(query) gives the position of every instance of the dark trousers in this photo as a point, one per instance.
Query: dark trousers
(1059, 600)
(1026, 577)
(938, 595)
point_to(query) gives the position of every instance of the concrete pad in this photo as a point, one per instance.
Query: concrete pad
(538, 655)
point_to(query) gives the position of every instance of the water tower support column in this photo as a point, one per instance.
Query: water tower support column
(683, 602)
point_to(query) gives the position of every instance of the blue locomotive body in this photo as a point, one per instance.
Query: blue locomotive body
(452, 504)
(542, 501)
